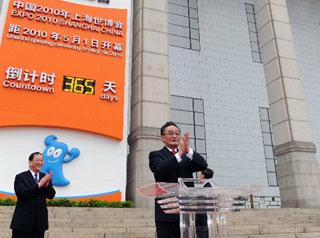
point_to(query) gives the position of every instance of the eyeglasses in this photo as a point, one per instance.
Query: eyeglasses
(172, 133)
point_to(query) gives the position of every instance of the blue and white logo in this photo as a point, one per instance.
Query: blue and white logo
(55, 154)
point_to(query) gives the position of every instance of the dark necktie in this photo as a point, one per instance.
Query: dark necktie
(36, 178)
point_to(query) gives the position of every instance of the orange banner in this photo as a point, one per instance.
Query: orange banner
(109, 197)
(63, 65)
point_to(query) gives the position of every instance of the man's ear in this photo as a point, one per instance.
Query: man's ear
(162, 138)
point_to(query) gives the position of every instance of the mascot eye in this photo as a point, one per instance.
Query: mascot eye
(57, 153)
(50, 151)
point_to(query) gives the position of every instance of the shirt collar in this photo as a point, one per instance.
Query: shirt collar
(33, 173)
(172, 149)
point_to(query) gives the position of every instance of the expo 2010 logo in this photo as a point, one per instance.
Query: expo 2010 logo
(55, 155)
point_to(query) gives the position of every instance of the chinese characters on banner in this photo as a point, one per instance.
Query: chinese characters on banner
(63, 66)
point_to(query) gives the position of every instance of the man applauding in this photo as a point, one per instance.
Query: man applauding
(30, 218)
(175, 160)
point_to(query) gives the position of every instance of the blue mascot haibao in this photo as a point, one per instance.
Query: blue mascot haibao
(55, 154)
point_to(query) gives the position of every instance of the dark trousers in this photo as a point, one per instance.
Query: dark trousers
(31, 234)
(202, 226)
(168, 229)
(202, 232)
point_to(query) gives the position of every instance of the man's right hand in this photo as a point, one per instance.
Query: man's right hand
(182, 147)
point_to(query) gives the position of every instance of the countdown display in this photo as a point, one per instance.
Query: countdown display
(63, 55)
(78, 85)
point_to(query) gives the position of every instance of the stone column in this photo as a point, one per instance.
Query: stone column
(297, 169)
(149, 94)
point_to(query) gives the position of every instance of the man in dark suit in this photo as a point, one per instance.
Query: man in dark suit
(175, 160)
(30, 217)
(201, 219)
(204, 176)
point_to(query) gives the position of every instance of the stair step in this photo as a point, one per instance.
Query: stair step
(286, 235)
(312, 229)
(139, 223)
(275, 229)
(238, 236)
(99, 235)
(244, 230)
(308, 235)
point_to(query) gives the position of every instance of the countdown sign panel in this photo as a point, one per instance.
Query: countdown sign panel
(62, 65)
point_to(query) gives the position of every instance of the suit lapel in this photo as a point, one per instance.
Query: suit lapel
(30, 177)
(166, 152)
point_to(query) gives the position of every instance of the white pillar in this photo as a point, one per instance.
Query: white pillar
(297, 169)
(150, 92)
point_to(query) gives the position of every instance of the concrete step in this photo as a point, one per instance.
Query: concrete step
(273, 229)
(244, 230)
(137, 222)
(5, 233)
(270, 229)
(308, 235)
(69, 234)
(283, 228)
(101, 212)
(312, 228)
(288, 235)
(275, 216)
(238, 236)
(98, 222)
(99, 235)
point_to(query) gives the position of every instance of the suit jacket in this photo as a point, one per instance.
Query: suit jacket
(201, 220)
(166, 168)
(207, 185)
(31, 208)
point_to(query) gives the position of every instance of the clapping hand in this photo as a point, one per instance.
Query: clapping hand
(184, 145)
(186, 139)
(181, 147)
(45, 181)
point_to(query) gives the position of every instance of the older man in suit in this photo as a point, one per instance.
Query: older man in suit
(175, 160)
(32, 188)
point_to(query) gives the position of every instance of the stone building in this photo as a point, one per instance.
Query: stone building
(242, 77)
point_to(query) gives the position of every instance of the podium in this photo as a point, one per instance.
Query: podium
(202, 209)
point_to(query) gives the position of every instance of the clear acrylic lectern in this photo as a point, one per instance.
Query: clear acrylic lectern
(201, 208)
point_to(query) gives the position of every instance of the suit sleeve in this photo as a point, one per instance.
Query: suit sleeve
(22, 189)
(198, 163)
(49, 191)
(160, 165)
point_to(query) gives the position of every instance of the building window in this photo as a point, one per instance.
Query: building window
(264, 202)
(184, 24)
(188, 114)
(253, 33)
(268, 146)
(1, 2)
